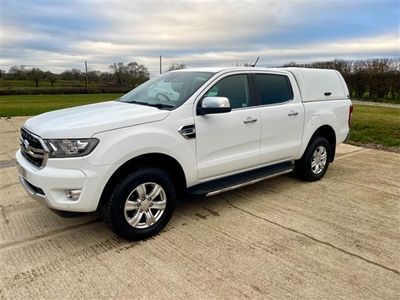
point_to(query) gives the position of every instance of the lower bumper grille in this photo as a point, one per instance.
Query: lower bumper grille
(33, 191)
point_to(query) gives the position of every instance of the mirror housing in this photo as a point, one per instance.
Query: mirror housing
(214, 105)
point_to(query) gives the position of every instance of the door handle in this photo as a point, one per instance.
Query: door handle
(249, 120)
(293, 113)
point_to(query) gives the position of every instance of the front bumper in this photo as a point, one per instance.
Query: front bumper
(32, 191)
(51, 185)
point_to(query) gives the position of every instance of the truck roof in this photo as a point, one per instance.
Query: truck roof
(314, 84)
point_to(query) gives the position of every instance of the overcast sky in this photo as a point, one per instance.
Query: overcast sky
(56, 35)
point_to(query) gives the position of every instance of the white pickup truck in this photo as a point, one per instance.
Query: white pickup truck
(187, 132)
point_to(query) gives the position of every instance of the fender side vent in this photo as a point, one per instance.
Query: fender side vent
(188, 131)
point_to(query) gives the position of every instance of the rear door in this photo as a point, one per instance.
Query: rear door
(229, 142)
(282, 116)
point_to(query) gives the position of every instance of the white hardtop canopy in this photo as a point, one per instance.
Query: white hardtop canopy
(314, 84)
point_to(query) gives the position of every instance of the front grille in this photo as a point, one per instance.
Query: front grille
(32, 148)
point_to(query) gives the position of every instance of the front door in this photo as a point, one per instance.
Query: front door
(229, 142)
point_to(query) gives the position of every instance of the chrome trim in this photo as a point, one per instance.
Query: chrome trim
(276, 104)
(33, 194)
(187, 131)
(234, 187)
(34, 151)
(249, 120)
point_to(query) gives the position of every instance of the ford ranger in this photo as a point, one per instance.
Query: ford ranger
(187, 132)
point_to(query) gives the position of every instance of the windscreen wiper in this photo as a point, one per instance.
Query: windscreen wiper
(158, 105)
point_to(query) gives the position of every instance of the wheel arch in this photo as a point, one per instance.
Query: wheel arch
(158, 160)
(327, 132)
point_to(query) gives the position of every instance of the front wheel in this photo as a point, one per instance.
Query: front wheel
(141, 204)
(315, 160)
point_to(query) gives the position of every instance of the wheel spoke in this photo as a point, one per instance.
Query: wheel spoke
(136, 219)
(131, 205)
(155, 192)
(141, 190)
(159, 204)
(145, 205)
(319, 159)
(149, 218)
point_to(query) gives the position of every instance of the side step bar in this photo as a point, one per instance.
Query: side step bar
(233, 182)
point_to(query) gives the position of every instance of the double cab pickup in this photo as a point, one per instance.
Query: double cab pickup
(187, 132)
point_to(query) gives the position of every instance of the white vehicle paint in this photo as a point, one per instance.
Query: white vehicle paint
(257, 131)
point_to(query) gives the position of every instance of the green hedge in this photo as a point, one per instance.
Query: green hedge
(62, 90)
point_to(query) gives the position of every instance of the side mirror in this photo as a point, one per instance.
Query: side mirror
(214, 105)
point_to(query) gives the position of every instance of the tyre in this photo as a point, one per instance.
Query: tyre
(141, 204)
(315, 161)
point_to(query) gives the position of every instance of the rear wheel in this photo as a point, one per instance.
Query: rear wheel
(315, 160)
(141, 204)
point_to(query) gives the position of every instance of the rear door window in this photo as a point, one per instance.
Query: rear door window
(273, 88)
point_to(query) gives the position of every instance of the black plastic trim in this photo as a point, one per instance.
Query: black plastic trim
(238, 179)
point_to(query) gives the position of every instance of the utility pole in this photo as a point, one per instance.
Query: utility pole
(86, 74)
(160, 64)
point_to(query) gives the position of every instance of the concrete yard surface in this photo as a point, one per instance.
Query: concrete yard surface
(337, 238)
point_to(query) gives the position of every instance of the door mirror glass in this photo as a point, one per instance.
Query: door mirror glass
(214, 105)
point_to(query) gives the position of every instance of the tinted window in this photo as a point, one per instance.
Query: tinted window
(274, 88)
(235, 88)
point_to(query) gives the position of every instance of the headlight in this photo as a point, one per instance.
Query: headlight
(60, 148)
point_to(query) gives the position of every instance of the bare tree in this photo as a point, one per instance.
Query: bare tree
(176, 66)
(119, 70)
(51, 77)
(138, 73)
(35, 74)
(94, 76)
(17, 72)
(73, 74)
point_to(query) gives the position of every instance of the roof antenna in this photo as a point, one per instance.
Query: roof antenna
(255, 62)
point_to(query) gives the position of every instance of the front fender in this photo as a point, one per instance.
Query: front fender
(118, 146)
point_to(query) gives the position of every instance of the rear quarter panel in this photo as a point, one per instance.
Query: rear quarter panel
(334, 113)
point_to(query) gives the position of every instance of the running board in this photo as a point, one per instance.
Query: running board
(233, 182)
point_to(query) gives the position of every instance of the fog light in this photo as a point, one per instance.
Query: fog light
(73, 194)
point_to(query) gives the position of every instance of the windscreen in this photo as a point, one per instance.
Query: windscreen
(168, 90)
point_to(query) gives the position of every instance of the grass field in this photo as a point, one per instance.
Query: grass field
(29, 105)
(376, 125)
(370, 124)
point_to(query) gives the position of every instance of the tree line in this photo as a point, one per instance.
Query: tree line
(131, 74)
(121, 74)
(374, 79)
